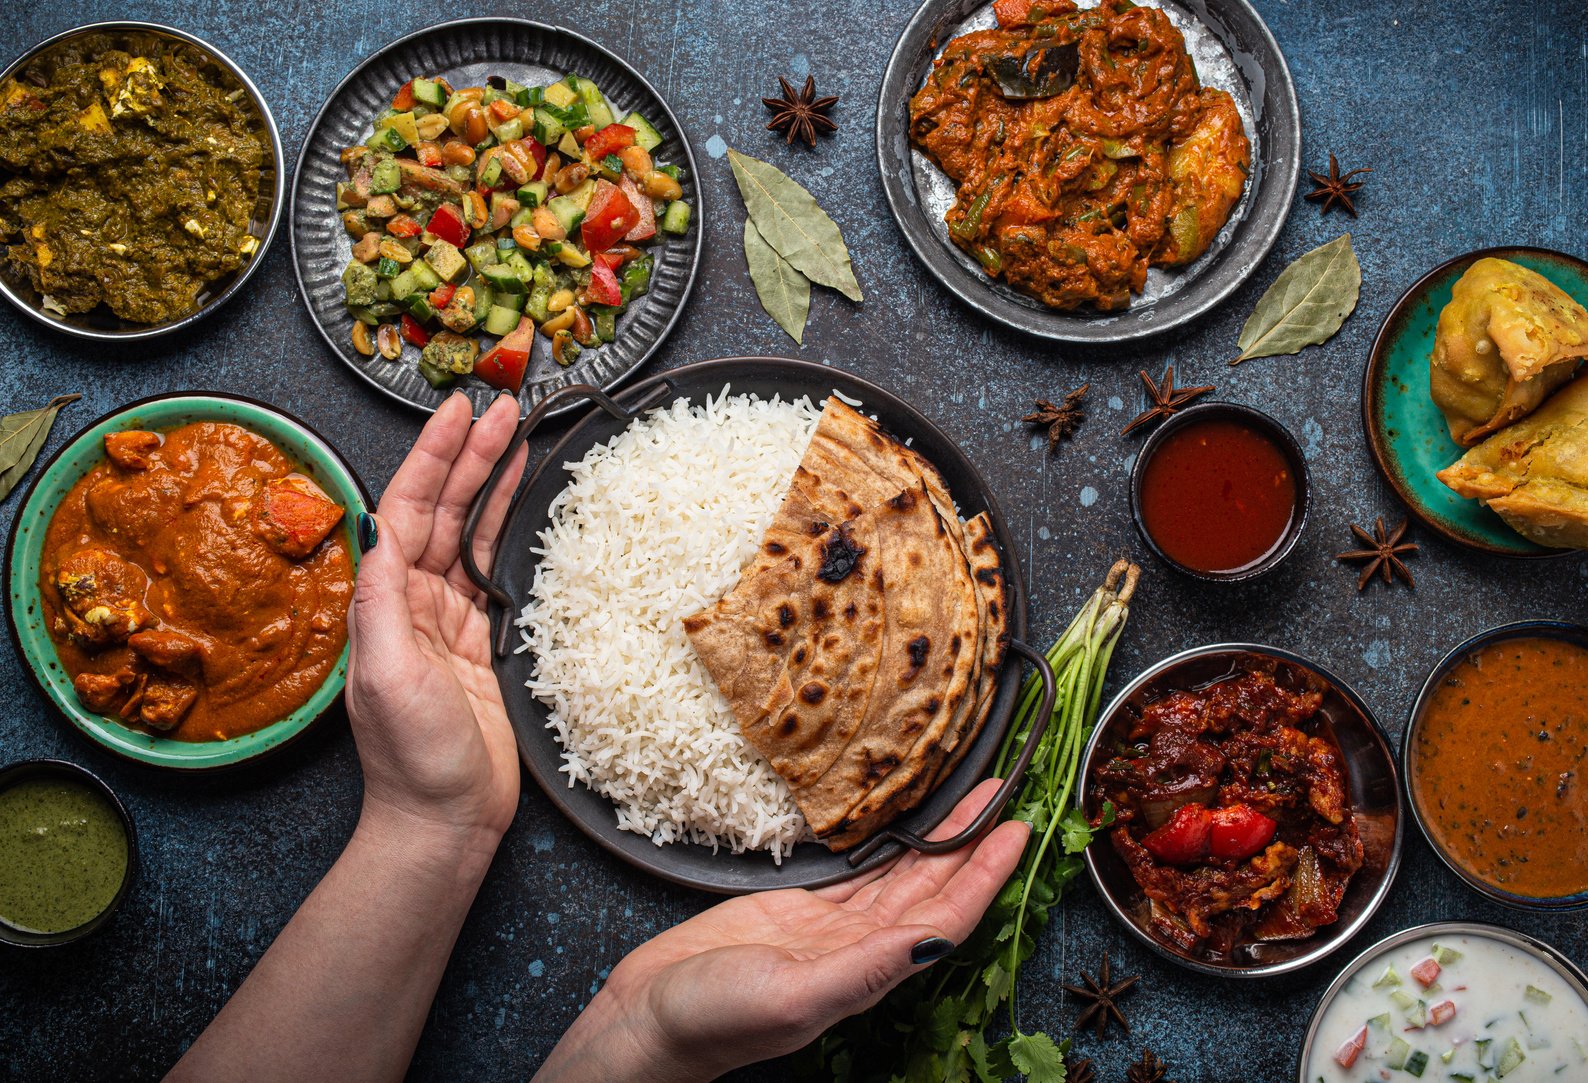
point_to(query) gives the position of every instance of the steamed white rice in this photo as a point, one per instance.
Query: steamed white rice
(655, 525)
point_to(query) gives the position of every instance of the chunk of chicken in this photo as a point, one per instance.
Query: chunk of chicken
(292, 516)
(102, 691)
(168, 650)
(104, 597)
(131, 450)
(166, 698)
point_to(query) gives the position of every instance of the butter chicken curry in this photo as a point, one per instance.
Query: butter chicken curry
(195, 584)
(1084, 147)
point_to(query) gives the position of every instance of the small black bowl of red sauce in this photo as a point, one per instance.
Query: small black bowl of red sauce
(1220, 492)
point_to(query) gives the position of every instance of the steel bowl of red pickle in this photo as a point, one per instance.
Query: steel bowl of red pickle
(1220, 492)
(1250, 810)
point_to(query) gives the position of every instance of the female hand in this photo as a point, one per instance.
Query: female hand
(426, 711)
(761, 976)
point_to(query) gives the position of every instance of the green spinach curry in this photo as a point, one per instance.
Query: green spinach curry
(129, 170)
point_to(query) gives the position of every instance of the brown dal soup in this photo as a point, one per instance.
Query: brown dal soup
(1497, 761)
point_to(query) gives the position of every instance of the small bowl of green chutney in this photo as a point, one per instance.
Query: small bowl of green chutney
(68, 853)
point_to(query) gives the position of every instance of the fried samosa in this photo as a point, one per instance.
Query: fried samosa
(1534, 474)
(1508, 339)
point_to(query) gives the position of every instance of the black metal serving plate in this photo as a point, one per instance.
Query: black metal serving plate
(1232, 49)
(811, 864)
(466, 51)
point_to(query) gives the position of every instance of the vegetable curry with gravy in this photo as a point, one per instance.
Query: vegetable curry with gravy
(1084, 147)
(195, 584)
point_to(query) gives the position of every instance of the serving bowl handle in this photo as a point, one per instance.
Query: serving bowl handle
(494, 591)
(898, 839)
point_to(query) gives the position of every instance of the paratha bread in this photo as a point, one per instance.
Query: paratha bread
(1534, 474)
(1506, 341)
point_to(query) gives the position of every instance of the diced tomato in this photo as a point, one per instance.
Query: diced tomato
(1426, 972)
(604, 288)
(645, 229)
(537, 154)
(1442, 1013)
(441, 296)
(1185, 839)
(428, 153)
(448, 224)
(1239, 831)
(1346, 1055)
(503, 364)
(609, 140)
(503, 110)
(609, 217)
(414, 331)
(404, 225)
(404, 99)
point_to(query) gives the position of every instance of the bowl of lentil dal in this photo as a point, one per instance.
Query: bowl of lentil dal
(1493, 759)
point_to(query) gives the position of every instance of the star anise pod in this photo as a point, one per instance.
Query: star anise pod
(802, 114)
(1382, 553)
(1149, 1069)
(1165, 399)
(1079, 1070)
(1062, 420)
(1335, 188)
(1102, 999)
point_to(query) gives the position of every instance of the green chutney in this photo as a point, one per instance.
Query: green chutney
(63, 854)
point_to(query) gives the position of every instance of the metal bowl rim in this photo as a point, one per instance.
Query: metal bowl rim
(277, 198)
(1338, 935)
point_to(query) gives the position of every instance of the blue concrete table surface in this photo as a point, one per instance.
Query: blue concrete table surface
(1475, 121)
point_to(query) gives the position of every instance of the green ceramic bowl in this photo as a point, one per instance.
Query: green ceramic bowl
(1405, 430)
(312, 454)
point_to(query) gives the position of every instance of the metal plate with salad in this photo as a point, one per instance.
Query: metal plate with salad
(491, 205)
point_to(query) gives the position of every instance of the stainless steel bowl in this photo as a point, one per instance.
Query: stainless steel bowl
(1526, 629)
(1372, 784)
(1534, 947)
(100, 324)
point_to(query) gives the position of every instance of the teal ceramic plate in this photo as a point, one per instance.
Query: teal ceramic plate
(309, 451)
(1405, 430)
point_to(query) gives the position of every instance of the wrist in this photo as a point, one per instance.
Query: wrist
(617, 1037)
(424, 845)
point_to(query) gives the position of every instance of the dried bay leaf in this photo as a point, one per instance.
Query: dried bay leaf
(792, 223)
(784, 292)
(1306, 304)
(21, 437)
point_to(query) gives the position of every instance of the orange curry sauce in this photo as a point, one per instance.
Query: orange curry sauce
(195, 584)
(1497, 766)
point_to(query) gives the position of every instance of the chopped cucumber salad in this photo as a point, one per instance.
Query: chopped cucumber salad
(490, 212)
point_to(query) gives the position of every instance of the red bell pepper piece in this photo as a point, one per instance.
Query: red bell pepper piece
(404, 225)
(1239, 831)
(448, 224)
(1185, 839)
(1426, 972)
(604, 286)
(1346, 1055)
(441, 296)
(503, 365)
(414, 332)
(404, 99)
(608, 218)
(645, 228)
(609, 140)
(429, 153)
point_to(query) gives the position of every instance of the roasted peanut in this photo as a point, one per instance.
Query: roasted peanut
(431, 126)
(475, 125)
(462, 297)
(525, 237)
(559, 300)
(367, 248)
(659, 185)
(361, 341)
(546, 225)
(560, 322)
(390, 249)
(571, 176)
(551, 165)
(389, 341)
(457, 152)
(636, 161)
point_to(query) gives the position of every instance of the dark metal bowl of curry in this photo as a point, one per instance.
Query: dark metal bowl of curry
(1089, 172)
(141, 180)
(1256, 810)
(179, 575)
(1494, 754)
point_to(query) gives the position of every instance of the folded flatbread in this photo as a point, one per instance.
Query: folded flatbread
(1506, 341)
(860, 648)
(1534, 474)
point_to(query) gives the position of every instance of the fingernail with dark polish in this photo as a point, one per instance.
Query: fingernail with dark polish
(931, 950)
(368, 532)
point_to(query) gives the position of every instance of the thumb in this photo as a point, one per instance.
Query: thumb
(379, 620)
(853, 978)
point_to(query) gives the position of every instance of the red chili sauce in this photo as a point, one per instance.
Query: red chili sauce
(1217, 495)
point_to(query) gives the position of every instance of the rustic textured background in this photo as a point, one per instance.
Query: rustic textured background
(1475, 120)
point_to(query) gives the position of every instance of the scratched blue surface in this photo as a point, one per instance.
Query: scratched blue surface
(1475, 120)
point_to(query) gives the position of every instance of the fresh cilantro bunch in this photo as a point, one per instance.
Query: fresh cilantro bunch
(935, 1027)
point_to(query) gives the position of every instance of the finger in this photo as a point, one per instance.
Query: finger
(380, 625)
(853, 978)
(919, 875)
(408, 504)
(961, 902)
(487, 440)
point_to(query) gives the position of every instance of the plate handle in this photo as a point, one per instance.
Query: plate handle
(526, 426)
(897, 840)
